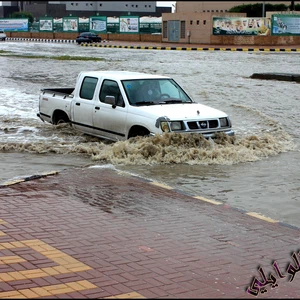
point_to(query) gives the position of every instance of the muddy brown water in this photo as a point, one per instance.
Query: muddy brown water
(257, 171)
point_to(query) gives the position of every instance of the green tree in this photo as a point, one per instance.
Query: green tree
(297, 7)
(255, 10)
(22, 14)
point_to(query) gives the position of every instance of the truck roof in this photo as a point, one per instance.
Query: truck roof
(121, 75)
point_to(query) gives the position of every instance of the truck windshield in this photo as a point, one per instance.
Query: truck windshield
(154, 91)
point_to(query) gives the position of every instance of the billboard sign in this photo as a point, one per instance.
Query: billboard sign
(98, 24)
(14, 24)
(241, 26)
(285, 24)
(70, 24)
(129, 24)
(46, 24)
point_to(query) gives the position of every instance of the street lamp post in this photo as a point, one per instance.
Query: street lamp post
(292, 5)
(20, 5)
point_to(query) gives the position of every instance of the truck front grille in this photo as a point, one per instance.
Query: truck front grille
(209, 124)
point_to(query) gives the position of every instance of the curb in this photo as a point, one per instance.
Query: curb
(41, 40)
(149, 181)
(277, 76)
(214, 202)
(32, 177)
(194, 48)
(242, 49)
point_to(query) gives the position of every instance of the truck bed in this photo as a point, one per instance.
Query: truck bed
(58, 91)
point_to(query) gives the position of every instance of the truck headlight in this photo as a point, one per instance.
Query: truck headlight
(175, 126)
(224, 122)
(164, 126)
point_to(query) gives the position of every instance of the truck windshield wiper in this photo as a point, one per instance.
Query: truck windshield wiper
(170, 101)
(145, 103)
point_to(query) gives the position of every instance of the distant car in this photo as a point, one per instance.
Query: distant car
(2, 35)
(88, 37)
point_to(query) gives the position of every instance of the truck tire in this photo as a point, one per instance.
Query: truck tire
(60, 117)
(138, 131)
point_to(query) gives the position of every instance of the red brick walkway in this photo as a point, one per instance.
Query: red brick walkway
(96, 233)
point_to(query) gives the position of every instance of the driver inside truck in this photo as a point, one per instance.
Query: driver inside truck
(150, 90)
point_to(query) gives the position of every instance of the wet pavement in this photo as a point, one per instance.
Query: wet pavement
(95, 232)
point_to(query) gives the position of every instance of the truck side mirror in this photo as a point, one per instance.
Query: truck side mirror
(111, 100)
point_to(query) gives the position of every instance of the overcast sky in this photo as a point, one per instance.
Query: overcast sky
(165, 3)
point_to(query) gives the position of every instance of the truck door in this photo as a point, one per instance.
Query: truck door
(110, 120)
(83, 106)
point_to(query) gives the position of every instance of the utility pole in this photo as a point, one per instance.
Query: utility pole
(292, 5)
(263, 9)
(20, 5)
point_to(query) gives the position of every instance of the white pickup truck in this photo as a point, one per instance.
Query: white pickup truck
(118, 105)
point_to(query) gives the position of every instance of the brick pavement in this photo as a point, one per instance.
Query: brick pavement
(99, 233)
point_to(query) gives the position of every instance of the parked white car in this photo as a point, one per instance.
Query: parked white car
(2, 35)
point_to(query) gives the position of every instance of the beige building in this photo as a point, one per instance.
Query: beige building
(192, 23)
(191, 28)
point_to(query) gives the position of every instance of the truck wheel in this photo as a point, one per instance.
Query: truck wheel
(60, 121)
(59, 118)
(138, 131)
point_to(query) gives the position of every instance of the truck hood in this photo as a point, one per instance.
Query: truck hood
(180, 111)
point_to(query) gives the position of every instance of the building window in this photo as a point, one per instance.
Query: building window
(204, 10)
(126, 5)
(217, 10)
(221, 10)
(165, 29)
(208, 11)
(100, 4)
(86, 4)
(72, 4)
(204, 22)
(182, 29)
(191, 22)
(91, 4)
(136, 6)
(197, 22)
(212, 11)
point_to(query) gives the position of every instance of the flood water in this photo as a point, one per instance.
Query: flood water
(257, 171)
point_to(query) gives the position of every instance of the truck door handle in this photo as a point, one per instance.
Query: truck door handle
(97, 107)
(78, 104)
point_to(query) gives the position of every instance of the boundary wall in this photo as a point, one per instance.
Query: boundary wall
(72, 36)
(157, 38)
